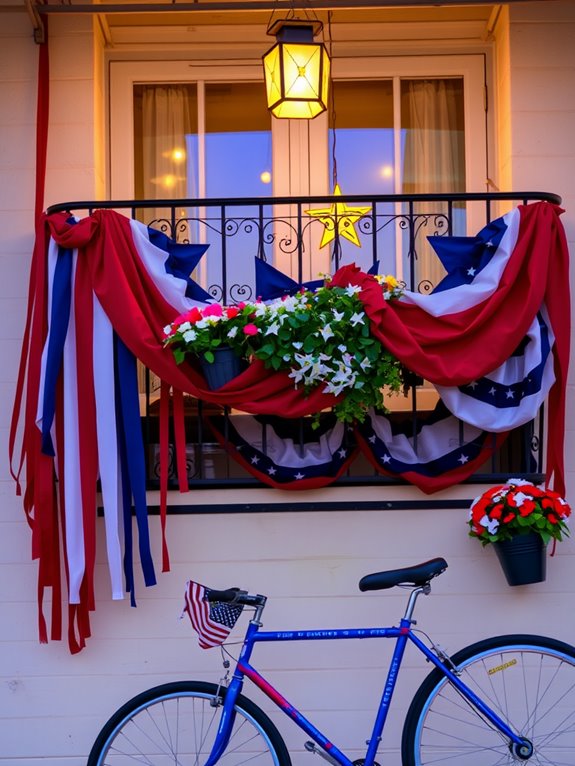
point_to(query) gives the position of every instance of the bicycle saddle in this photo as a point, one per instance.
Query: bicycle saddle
(418, 575)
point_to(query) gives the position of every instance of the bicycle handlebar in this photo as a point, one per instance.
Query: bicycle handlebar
(236, 596)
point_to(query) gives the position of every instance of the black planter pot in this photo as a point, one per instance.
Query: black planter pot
(523, 559)
(226, 366)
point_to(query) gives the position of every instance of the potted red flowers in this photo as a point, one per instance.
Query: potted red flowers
(519, 519)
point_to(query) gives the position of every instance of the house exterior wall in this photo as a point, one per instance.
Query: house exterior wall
(52, 704)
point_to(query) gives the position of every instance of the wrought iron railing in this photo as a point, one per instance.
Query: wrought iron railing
(391, 231)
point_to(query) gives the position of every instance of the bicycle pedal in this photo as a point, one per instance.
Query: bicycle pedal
(311, 747)
(361, 761)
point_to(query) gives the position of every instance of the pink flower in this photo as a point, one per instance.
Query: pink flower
(250, 329)
(214, 310)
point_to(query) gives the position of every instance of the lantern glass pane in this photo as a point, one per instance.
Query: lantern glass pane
(301, 64)
(272, 73)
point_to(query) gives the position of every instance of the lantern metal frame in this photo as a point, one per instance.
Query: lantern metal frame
(290, 93)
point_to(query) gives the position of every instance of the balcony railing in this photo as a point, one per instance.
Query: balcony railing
(392, 234)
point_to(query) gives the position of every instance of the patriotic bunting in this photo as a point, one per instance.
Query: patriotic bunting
(287, 454)
(493, 339)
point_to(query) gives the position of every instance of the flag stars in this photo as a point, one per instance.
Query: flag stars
(463, 459)
(372, 439)
(299, 476)
(509, 394)
(272, 471)
(471, 272)
(473, 385)
(385, 459)
(342, 453)
(255, 460)
(492, 391)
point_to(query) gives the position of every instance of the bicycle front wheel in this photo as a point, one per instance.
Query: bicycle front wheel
(176, 723)
(529, 681)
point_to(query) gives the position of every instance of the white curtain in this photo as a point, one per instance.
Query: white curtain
(434, 159)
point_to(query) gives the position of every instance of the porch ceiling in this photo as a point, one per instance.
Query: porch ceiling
(157, 22)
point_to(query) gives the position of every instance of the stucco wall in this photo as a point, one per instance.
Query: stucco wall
(52, 704)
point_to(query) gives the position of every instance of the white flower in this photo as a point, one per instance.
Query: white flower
(365, 364)
(338, 315)
(189, 336)
(521, 497)
(233, 332)
(342, 347)
(202, 323)
(326, 332)
(518, 482)
(352, 290)
(492, 525)
(168, 329)
(297, 344)
(273, 329)
(184, 326)
(357, 318)
(297, 375)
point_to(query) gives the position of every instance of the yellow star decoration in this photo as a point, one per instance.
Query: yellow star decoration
(341, 216)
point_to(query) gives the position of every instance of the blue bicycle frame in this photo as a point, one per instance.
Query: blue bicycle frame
(402, 634)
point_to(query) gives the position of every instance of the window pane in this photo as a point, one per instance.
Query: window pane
(238, 141)
(238, 164)
(361, 149)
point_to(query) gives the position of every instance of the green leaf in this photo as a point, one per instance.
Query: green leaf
(209, 357)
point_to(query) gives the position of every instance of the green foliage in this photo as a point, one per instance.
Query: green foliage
(322, 337)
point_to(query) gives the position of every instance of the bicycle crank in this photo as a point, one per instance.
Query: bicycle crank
(311, 747)
(361, 761)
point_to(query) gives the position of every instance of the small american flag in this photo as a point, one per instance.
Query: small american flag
(212, 621)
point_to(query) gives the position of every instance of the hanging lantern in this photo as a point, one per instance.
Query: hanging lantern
(296, 70)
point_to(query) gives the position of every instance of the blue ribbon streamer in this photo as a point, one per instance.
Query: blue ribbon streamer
(59, 319)
(133, 452)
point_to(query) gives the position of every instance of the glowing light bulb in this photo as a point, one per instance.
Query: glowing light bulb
(265, 177)
(178, 155)
(386, 171)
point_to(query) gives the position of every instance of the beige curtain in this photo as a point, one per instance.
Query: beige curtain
(166, 119)
(434, 159)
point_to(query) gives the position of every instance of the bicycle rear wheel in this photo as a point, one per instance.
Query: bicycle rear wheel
(176, 723)
(529, 681)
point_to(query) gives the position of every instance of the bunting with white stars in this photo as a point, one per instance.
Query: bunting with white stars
(435, 452)
(288, 454)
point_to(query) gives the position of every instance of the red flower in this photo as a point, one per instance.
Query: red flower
(508, 518)
(251, 329)
(510, 499)
(527, 507)
(552, 519)
(232, 311)
(496, 511)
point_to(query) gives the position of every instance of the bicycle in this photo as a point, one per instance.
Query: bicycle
(503, 700)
